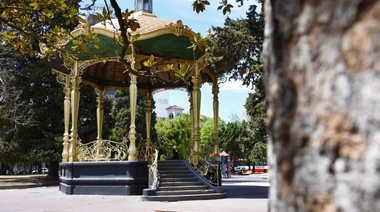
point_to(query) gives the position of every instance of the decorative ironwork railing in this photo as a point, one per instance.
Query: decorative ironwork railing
(153, 171)
(145, 151)
(207, 170)
(148, 152)
(103, 150)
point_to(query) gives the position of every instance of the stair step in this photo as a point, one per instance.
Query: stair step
(179, 183)
(178, 179)
(178, 175)
(170, 161)
(186, 192)
(173, 172)
(184, 197)
(172, 167)
(171, 164)
(183, 187)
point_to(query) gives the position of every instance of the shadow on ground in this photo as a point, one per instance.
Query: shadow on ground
(246, 191)
(21, 182)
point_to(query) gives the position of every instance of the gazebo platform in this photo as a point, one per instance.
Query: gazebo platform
(104, 178)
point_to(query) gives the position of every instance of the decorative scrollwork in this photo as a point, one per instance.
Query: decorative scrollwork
(68, 61)
(207, 170)
(103, 150)
(178, 27)
(145, 151)
(153, 171)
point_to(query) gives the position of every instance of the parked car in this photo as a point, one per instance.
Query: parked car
(240, 168)
(43, 171)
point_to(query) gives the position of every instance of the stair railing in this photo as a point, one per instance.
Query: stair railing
(207, 170)
(153, 171)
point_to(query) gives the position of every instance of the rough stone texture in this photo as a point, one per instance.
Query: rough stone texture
(322, 63)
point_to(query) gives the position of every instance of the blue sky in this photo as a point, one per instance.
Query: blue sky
(232, 95)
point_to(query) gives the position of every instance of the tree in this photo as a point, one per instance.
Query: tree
(322, 78)
(256, 109)
(24, 24)
(122, 119)
(259, 152)
(87, 121)
(37, 93)
(207, 132)
(235, 140)
(174, 132)
(26, 19)
(14, 110)
(235, 48)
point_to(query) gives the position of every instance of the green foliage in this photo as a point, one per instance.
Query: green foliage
(200, 5)
(28, 18)
(174, 132)
(121, 116)
(230, 135)
(225, 8)
(207, 132)
(39, 93)
(87, 120)
(32, 100)
(236, 48)
(256, 106)
(198, 42)
(150, 61)
(259, 153)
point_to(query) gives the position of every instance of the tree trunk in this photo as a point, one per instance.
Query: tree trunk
(323, 85)
(53, 170)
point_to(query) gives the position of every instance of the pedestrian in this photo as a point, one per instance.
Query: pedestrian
(175, 153)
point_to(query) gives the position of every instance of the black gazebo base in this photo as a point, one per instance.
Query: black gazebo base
(104, 178)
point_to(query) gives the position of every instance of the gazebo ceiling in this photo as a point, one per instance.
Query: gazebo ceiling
(112, 74)
(166, 40)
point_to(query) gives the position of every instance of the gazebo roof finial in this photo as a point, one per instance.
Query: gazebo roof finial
(145, 6)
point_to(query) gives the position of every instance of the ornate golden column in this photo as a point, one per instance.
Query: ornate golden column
(191, 111)
(100, 117)
(75, 96)
(64, 79)
(215, 92)
(100, 113)
(66, 112)
(132, 129)
(148, 116)
(196, 79)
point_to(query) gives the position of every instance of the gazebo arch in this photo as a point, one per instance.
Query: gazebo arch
(99, 66)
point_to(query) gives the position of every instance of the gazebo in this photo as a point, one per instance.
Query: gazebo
(120, 167)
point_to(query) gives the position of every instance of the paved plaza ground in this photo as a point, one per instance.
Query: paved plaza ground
(245, 193)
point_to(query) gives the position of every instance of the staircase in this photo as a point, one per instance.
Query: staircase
(178, 181)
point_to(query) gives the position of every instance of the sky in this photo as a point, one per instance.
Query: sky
(232, 94)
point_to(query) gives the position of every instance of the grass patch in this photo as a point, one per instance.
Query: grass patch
(26, 176)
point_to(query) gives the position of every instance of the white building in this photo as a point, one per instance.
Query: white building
(174, 111)
(161, 102)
